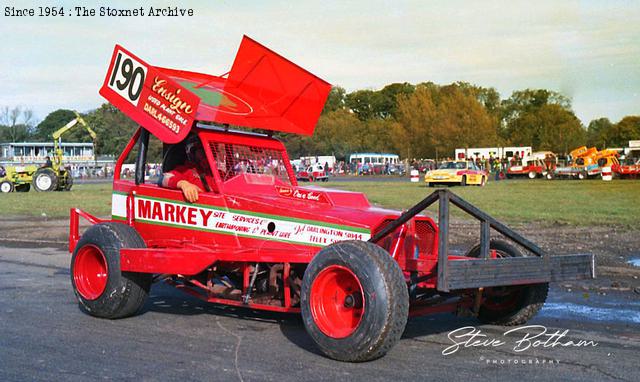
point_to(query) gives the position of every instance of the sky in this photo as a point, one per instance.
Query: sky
(587, 50)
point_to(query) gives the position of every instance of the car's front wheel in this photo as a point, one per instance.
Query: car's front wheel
(102, 289)
(354, 301)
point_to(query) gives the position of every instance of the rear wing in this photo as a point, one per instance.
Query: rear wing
(263, 90)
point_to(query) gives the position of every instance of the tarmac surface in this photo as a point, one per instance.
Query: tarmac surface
(45, 336)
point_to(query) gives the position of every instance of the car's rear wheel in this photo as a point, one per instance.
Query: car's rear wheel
(102, 289)
(532, 174)
(549, 175)
(463, 182)
(509, 305)
(354, 301)
(582, 175)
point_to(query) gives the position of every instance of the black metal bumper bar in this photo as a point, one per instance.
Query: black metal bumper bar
(485, 272)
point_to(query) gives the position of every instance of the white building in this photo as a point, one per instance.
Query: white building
(496, 152)
(36, 152)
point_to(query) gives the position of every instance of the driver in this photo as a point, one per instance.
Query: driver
(192, 177)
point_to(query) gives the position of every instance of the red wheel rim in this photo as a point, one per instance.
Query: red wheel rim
(336, 301)
(90, 272)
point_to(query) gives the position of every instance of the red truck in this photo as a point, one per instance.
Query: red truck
(256, 239)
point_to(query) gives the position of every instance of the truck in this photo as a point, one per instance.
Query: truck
(587, 163)
(582, 165)
(258, 240)
(50, 177)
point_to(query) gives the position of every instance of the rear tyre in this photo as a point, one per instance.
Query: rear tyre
(510, 305)
(463, 182)
(582, 175)
(354, 301)
(549, 175)
(45, 179)
(25, 187)
(6, 187)
(101, 288)
(532, 174)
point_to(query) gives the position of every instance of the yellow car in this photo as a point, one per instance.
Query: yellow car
(462, 172)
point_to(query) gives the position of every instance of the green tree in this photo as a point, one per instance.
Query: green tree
(626, 130)
(549, 127)
(542, 119)
(598, 132)
(335, 100)
(114, 129)
(52, 122)
(362, 103)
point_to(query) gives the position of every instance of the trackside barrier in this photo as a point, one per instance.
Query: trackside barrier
(485, 272)
(415, 176)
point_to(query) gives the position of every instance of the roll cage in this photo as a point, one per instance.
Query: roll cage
(256, 158)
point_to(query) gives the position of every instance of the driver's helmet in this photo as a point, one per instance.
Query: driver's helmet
(191, 146)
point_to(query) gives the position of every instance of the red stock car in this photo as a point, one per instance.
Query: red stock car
(312, 173)
(256, 239)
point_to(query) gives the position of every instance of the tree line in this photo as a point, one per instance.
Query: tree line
(428, 120)
(425, 120)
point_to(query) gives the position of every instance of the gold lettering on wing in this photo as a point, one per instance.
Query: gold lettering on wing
(177, 104)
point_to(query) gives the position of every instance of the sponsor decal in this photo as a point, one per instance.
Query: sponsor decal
(149, 97)
(313, 196)
(216, 99)
(240, 223)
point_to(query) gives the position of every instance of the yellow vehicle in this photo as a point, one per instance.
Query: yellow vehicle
(607, 158)
(462, 172)
(50, 177)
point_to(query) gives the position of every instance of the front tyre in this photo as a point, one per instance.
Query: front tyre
(532, 174)
(463, 182)
(101, 288)
(509, 305)
(6, 187)
(354, 301)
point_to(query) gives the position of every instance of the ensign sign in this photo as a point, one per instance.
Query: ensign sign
(149, 97)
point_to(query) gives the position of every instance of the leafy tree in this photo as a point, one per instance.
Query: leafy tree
(335, 100)
(598, 132)
(624, 131)
(362, 103)
(386, 106)
(51, 123)
(433, 121)
(542, 119)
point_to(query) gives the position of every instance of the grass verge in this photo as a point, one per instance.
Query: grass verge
(591, 202)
